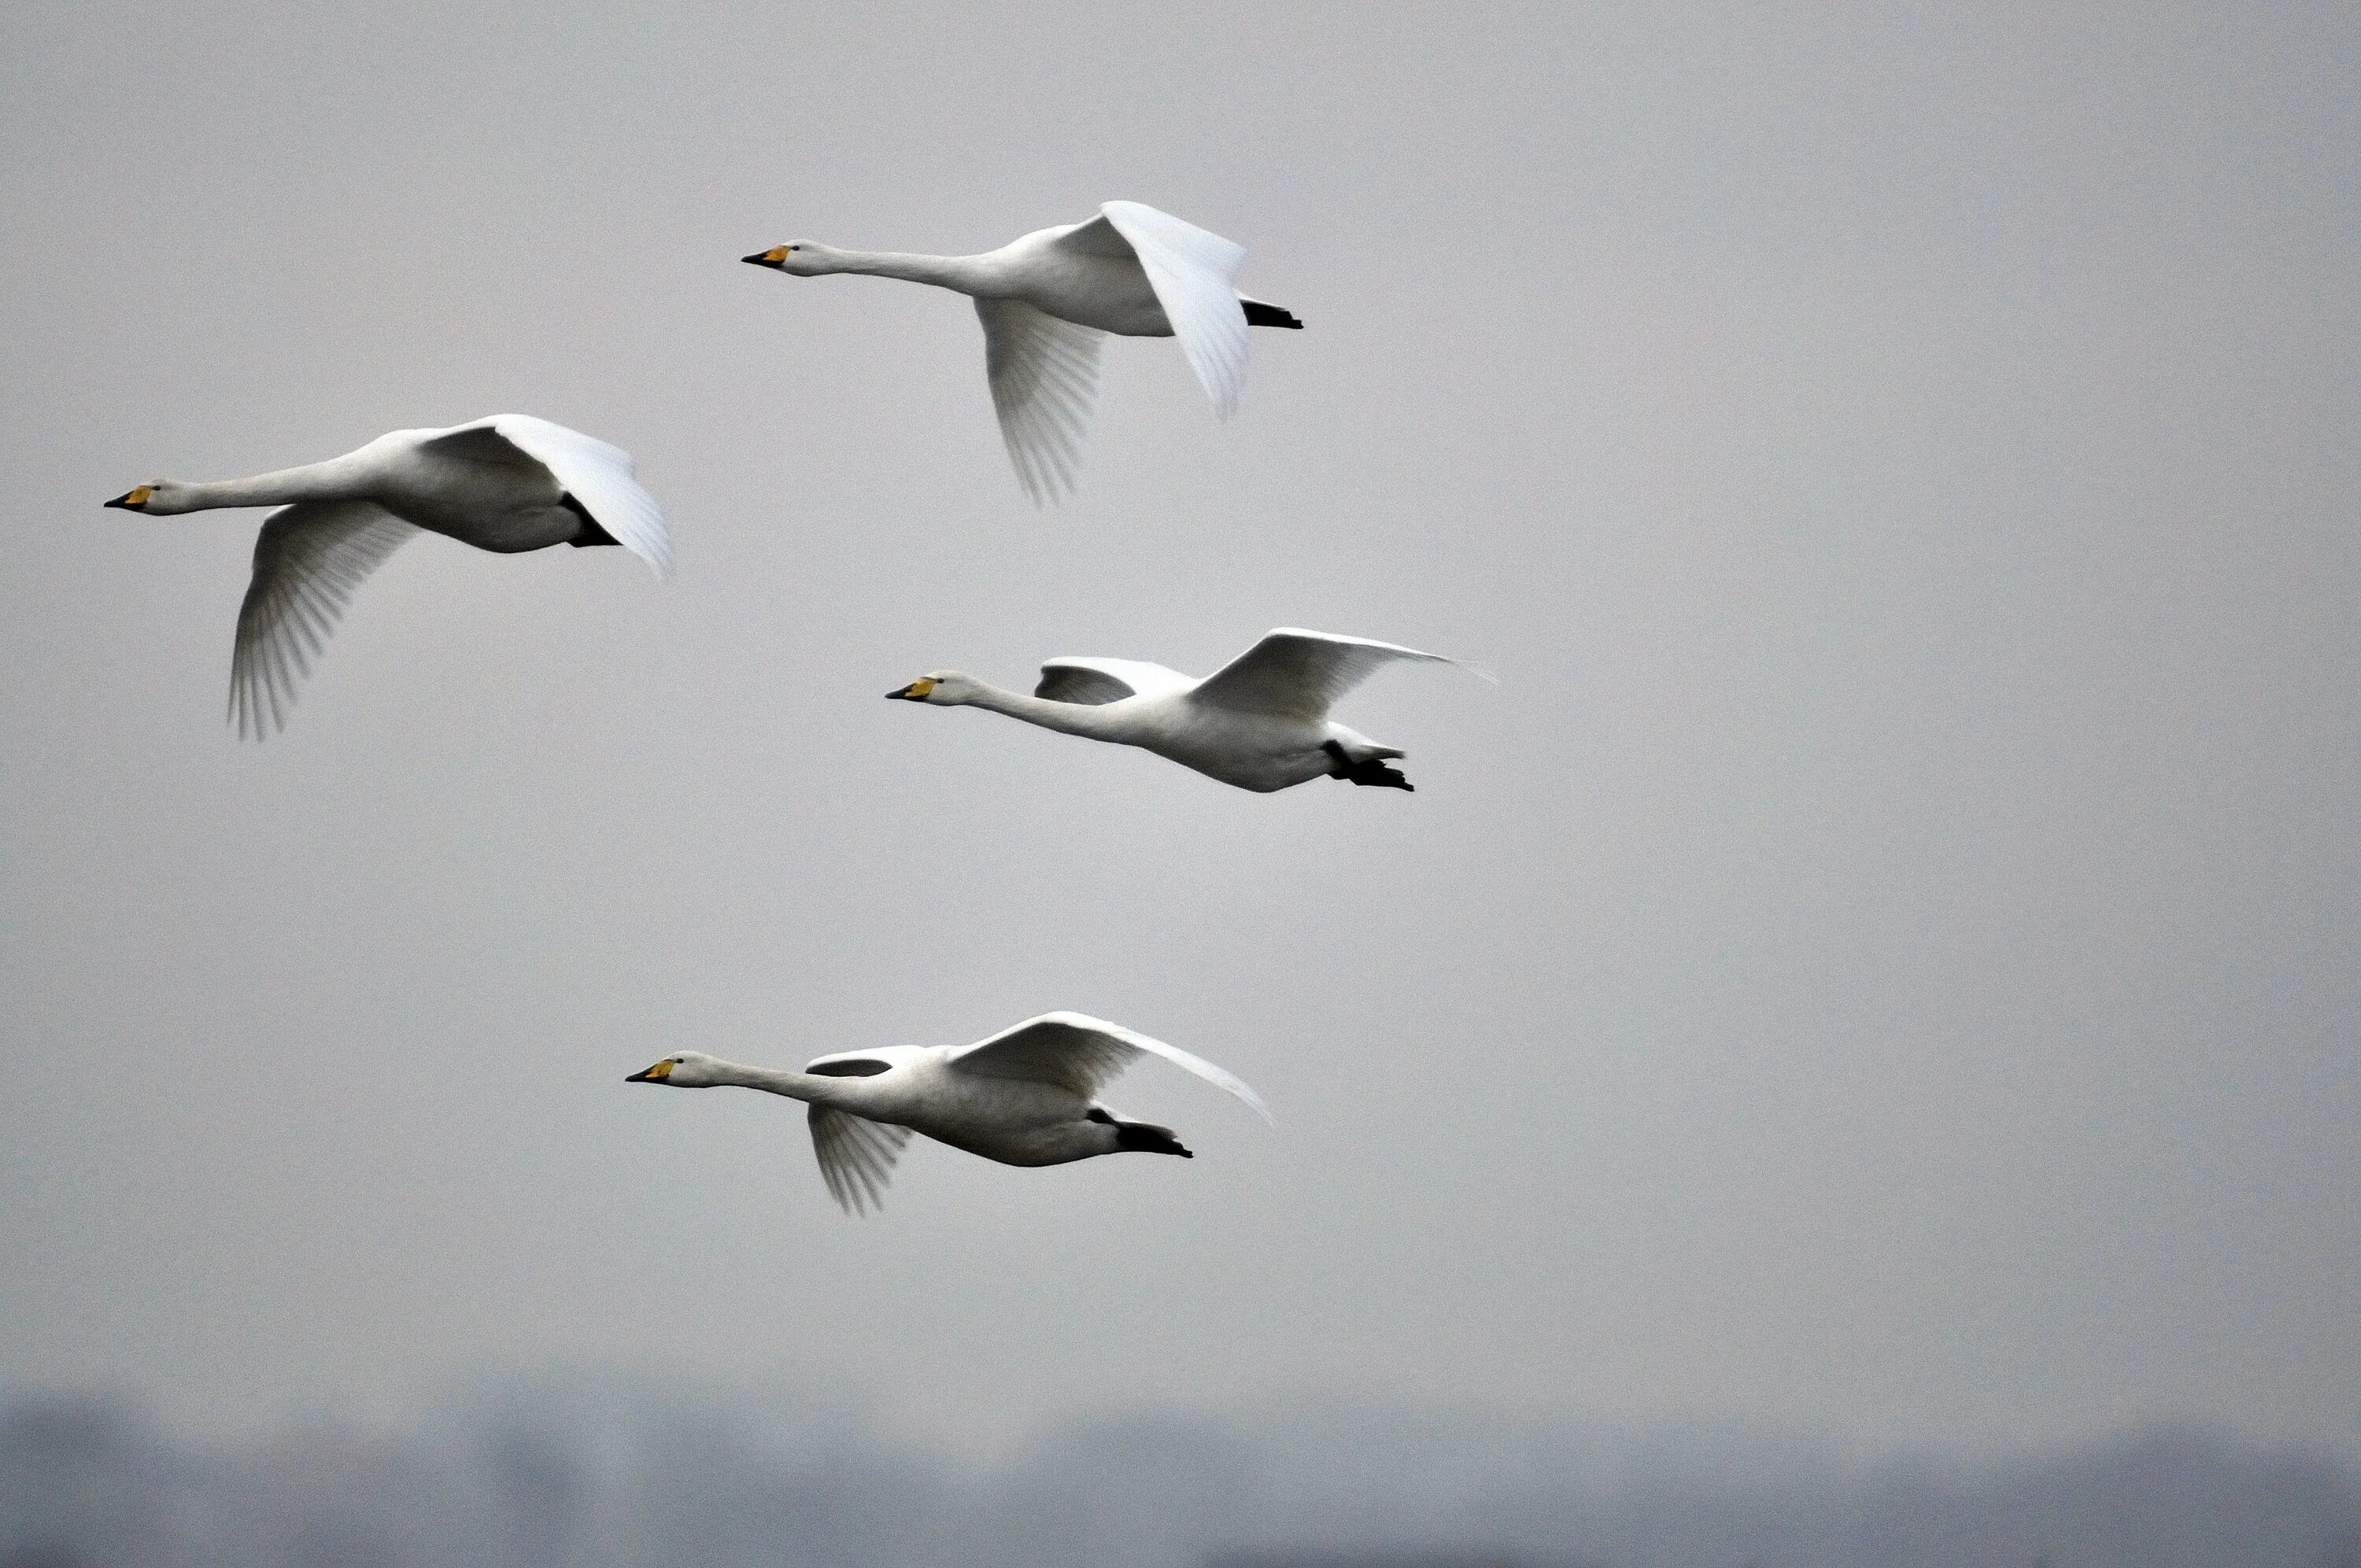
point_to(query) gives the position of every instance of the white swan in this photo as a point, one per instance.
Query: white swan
(1026, 1096)
(508, 483)
(1047, 301)
(1260, 722)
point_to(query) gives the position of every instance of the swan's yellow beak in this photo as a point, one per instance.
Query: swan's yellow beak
(655, 1074)
(133, 499)
(915, 692)
(771, 258)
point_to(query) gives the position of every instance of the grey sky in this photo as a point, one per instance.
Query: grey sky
(1882, 959)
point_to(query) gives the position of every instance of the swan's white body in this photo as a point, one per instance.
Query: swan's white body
(1026, 1096)
(507, 483)
(1260, 722)
(1047, 299)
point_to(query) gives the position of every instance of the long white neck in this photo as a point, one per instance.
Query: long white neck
(332, 480)
(967, 274)
(803, 1086)
(1067, 717)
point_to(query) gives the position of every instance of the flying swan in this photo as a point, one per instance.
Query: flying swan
(507, 483)
(1260, 722)
(1047, 301)
(1026, 1096)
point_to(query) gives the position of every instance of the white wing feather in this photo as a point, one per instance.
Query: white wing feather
(1296, 673)
(1193, 272)
(1080, 1053)
(1044, 382)
(598, 476)
(856, 1156)
(1096, 681)
(308, 559)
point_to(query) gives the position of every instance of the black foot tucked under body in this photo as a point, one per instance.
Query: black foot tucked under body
(1372, 772)
(1139, 1138)
(591, 533)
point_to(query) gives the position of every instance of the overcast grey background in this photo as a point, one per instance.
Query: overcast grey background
(1882, 961)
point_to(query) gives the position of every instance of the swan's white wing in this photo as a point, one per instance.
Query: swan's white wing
(1296, 673)
(593, 473)
(1080, 1053)
(1044, 382)
(1097, 681)
(856, 1157)
(1191, 272)
(308, 559)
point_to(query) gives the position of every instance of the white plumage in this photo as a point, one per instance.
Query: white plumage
(1260, 722)
(1047, 301)
(1027, 1096)
(507, 483)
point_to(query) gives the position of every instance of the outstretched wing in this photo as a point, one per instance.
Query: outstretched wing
(598, 476)
(1295, 674)
(308, 559)
(1096, 680)
(1192, 273)
(1080, 1053)
(856, 1157)
(1044, 382)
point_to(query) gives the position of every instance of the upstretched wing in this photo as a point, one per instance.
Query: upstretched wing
(1096, 680)
(1080, 1053)
(1191, 272)
(308, 559)
(1295, 674)
(1044, 382)
(598, 476)
(856, 1157)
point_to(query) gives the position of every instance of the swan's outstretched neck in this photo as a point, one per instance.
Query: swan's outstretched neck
(806, 1086)
(963, 273)
(312, 482)
(1067, 717)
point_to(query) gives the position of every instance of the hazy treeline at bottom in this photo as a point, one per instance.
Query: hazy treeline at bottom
(605, 1481)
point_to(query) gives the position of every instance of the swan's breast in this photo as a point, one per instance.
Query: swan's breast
(1014, 1121)
(1109, 293)
(503, 507)
(1031, 1143)
(1253, 750)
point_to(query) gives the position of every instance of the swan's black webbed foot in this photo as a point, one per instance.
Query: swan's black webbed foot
(1373, 773)
(1261, 313)
(1140, 1137)
(592, 534)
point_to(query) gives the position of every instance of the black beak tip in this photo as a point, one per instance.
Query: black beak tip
(640, 1077)
(760, 259)
(123, 502)
(902, 696)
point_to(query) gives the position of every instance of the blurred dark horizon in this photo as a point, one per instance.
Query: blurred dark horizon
(549, 1474)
